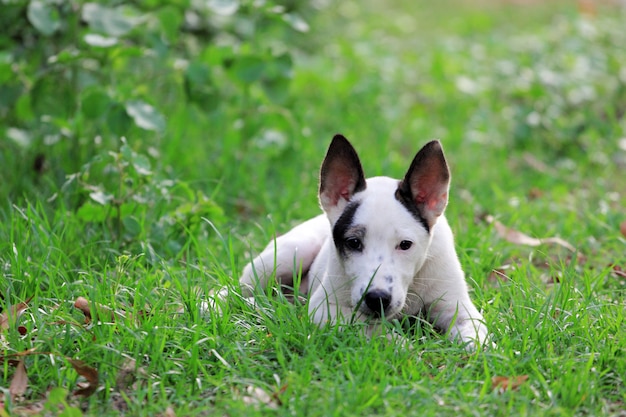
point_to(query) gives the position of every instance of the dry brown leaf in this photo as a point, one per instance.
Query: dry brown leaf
(519, 238)
(587, 8)
(618, 270)
(169, 412)
(31, 409)
(535, 193)
(504, 383)
(83, 305)
(498, 275)
(87, 372)
(19, 382)
(15, 311)
(129, 374)
(536, 164)
(117, 402)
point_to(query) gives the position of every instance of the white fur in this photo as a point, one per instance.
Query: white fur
(426, 278)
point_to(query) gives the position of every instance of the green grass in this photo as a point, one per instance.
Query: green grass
(389, 77)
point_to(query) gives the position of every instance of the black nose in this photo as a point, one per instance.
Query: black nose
(377, 301)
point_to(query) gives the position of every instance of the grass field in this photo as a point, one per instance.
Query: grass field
(104, 273)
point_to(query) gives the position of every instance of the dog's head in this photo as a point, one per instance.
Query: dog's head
(382, 227)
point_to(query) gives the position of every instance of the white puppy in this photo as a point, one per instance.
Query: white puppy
(383, 249)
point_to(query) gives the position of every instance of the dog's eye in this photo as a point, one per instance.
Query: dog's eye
(354, 244)
(405, 245)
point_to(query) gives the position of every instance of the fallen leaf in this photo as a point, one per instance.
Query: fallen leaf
(617, 270)
(15, 311)
(517, 237)
(129, 374)
(19, 382)
(83, 305)
(537, 164)
(87, 372)
(534, 193)
(169, 412)
(554, 279)
(117, 402)
(498, 275)
(504, 383)
(31, 409)
(587, 8)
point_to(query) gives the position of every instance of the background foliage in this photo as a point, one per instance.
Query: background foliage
(148, 147)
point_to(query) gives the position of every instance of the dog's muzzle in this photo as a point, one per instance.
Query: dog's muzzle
(377, 301)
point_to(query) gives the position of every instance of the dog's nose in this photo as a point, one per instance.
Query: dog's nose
(377, 301)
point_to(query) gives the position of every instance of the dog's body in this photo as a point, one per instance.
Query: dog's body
(388, 251)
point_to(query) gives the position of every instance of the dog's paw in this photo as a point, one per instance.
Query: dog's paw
(472, 334)
(400, 342)
(215, 302)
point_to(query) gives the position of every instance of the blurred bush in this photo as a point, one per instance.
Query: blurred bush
(89, 91)
(76, 76)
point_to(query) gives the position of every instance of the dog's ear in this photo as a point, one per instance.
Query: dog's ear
(341, 176)
(424, 189)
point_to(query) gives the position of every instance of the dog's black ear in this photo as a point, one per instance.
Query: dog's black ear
(341, 175)
(424, 189)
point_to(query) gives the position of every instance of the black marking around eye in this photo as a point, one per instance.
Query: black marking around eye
(403, 195)
(343, 224)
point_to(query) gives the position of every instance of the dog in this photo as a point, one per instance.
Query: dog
(382, 249)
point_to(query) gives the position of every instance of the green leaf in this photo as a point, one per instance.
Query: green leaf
(100, 197)
(90, 212)
(277, 89)
(99, 41)
(145, 116)
(56, 396)
(24, 108)
(43, 17)
(6, 70)
(223, 7)
(131, 226)
(66, 56)
(118, 120)
(19, 136)
(199, 86)
(296, 22)
(141, 163)
(248, 69)
(111, 21)
(94, 102)
(70, 411)
(127, 153)
(171, 20)
(52, 95)
(277, 79)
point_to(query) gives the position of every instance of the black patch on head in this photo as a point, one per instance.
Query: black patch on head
(343, 224)
(405, 197)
